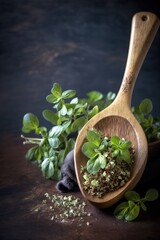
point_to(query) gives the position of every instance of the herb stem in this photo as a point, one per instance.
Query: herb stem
(31, 140)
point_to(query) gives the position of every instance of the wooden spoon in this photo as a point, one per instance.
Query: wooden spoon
(117, 119)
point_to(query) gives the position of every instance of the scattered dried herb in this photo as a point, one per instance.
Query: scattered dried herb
(64, 208)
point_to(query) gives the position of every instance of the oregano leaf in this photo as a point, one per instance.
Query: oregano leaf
(133, 211)
(151, 195)
(121, 210)
(56, 90)
(68, 94)
(50, 116)
(146, 106)
(56, 131)
(95, 96)
(30, 121)
(132, 195)
(93, 137)
(88, 150)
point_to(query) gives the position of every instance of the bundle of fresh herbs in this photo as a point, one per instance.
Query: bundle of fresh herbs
(67, 116)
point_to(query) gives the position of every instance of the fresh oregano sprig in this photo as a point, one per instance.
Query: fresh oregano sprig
(95, 148)
(67, 117)
(150, 124)
(130, 209)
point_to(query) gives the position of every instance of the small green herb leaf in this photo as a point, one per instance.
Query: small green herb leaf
(132, 195)
(125, 155)
(95, 96)
(102, 161)
(121, 210)
(78, 123)
(47, 168)
(68, 94)
(56, 131)
(151, 195)
(93, 112)
(34, 153)
(93, 165)
(115, 140)
(50, 116)
(54, 142)
(63, 110)
(111, 96)
(56, 90)
(88, 149)
(146, 106)
(93, 137)
(30, 122)
(133, 211)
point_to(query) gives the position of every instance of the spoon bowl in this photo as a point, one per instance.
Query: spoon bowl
(118, 119)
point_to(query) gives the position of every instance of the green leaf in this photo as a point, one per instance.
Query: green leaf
(78, 124)
(30, 122)
(93, 112)
(133, 211)
(115, 153)
(121, 210)
(66, 124)
(56, 131)
(50, 116)
(63, 110)
(68, 94)
(47, 168)
(132, 195)
(125, 155)
(56, 90)
(93, 165)
(146, 106)
(151, 195)
(93, 137)
(102, 161)
(88, 150)
(55, 95)
(34, 153)
(125, 144)
(54, 142)
(74, 101)
(51, 99)
(111, 96)
(115, 140)
(95, 96)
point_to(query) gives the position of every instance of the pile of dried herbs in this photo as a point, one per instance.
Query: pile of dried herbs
(64, 209)
(109, 165)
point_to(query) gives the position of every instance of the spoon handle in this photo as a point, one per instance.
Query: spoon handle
(143, 30)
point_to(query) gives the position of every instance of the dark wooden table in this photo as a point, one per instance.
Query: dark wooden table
(82, 45)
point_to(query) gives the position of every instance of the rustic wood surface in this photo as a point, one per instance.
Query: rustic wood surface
(82, 45)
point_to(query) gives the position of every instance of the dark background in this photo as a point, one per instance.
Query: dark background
(83, 45)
